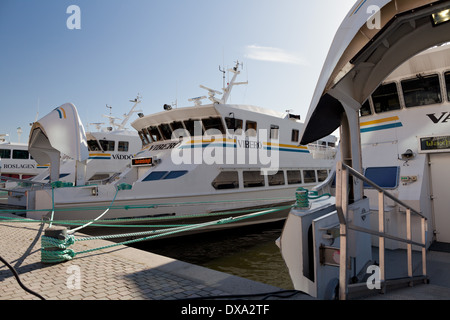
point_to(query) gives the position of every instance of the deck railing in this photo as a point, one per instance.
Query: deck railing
(342, 182)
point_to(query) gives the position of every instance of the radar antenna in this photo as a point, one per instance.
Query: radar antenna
(212, 93)
(198, 100)
(126, 116)
(226, 90)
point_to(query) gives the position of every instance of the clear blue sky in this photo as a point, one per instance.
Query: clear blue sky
(162, 49)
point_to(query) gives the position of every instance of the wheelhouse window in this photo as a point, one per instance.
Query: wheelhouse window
(309, 176)
(235, 125)
(194, 127)
(107, 145)
(253, 179)
(447, 84)
(274, 132)
(385, 98)
(144, 138)
(5, 154)
(93, 145)
(226, 180)
(154, 133)
(165, 131)
(295, 135)
(421, 91)
(294, 176)
(384, 177)
(365, 109)
(276, 179)
(250, 128)
(213, 124)
(20, 154)
(123, 146)
(176, 125)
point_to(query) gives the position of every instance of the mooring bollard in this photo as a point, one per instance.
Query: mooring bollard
(54, 244)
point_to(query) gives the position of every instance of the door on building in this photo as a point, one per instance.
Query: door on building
(440, 180)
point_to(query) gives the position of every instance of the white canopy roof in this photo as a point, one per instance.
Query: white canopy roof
(368, 46)
(60, 131)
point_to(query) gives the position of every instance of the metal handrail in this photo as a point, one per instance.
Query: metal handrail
(21, 180)
(375, 186)
(342, 208)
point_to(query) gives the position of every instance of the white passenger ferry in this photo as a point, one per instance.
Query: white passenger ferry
(387, 88)
(15, 160)
(406, 143)
(110, 150)
(199, 162)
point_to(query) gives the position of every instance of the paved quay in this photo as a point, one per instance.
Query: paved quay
(117, 273)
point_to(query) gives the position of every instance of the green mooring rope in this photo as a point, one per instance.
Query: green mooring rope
(303, 196)
(55, 250)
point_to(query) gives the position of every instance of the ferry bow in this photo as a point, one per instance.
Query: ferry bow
(389, 131)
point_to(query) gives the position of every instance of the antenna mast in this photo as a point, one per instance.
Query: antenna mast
(232, 83)
(223, 77)
(136, 101)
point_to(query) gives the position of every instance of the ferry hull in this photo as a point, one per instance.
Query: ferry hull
(137, 215)
(219, 222)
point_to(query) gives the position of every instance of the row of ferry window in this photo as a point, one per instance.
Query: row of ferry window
(107, 145)
(251, 179)
(420, 91)
(164, 131)
(16, 154)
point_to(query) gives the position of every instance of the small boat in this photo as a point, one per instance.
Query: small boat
(200, 164)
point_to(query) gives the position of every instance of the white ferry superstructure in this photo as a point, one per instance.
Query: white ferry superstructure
(405, 140)
(110, 149)
(16, 162)
(201, 160)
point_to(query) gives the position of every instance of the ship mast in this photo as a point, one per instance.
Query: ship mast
(227, 90)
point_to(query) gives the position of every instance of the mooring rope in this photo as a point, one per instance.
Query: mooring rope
(89, 223)
(53, 206)
(143, 206)
(56, 250)
(303, 196)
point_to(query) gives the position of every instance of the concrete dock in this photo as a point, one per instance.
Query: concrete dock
(125, 273)
(118, 273)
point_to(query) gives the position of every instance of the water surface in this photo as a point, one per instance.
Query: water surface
(248, 252)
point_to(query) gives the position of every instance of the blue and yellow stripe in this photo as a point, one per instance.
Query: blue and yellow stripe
(381, 124)
(101, 156)
(285, 147)
(205, 142)
(61, 112)
(360, 4)
(232, 143)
